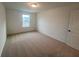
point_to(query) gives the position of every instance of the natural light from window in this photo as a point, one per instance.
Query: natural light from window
(25, 20)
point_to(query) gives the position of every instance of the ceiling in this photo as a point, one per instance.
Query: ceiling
(23, 6)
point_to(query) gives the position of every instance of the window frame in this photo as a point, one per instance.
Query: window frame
(29, 20)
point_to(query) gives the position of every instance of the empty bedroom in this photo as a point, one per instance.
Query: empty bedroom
(39, 29)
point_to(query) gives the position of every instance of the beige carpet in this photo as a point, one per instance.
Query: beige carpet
(34, 44)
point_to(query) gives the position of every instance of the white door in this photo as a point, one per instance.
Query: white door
(73, 35)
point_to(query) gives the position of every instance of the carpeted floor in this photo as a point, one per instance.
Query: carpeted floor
(35, 44)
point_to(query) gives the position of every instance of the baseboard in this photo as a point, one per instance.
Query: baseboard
(59, 41)
(21, 32)
(51, 37)
(72, 46)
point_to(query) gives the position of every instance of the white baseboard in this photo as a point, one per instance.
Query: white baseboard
(51, 36)
(59, 40)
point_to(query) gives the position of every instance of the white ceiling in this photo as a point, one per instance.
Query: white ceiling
(42, 5)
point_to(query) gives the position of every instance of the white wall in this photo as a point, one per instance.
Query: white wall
(14, 21)
(54, 23)
(2, 27)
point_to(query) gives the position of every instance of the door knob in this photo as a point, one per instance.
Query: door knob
(69, 30)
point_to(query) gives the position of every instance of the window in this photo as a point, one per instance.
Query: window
(26, 20)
